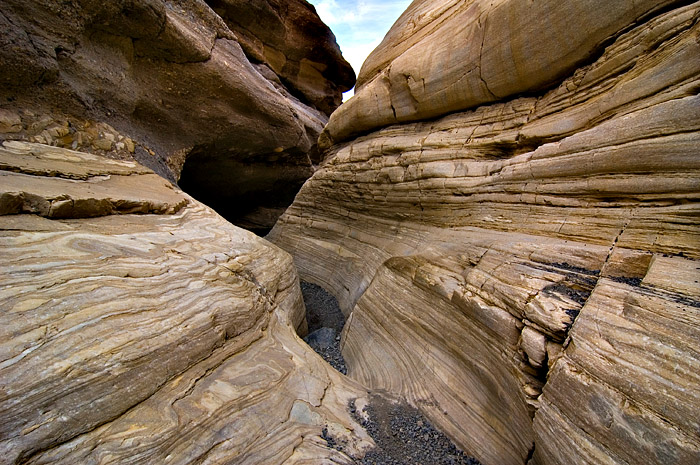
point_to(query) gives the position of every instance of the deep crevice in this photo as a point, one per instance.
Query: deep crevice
(250, 193)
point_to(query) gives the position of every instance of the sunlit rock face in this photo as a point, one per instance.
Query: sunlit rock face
(508, 214)
(173, 84)
(138, 326)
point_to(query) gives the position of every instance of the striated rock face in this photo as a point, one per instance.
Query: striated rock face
(164, 81)
(140, 327)
(520, 256)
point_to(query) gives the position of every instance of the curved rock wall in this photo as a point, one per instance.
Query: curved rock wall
(522, 265)
(446, 56)
(163, 81)
(140, 327)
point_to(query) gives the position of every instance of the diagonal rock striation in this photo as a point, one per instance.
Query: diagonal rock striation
(152, 336)
(519, 256)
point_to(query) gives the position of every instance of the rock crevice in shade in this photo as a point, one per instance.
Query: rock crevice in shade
(473, 246)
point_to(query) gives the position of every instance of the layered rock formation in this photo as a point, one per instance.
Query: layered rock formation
(165, 81)
(519, 257)
(140, 327)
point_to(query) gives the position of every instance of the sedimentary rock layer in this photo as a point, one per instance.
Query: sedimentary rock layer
(151, 336)
(165, 81)
(546, 235)
(450, 55)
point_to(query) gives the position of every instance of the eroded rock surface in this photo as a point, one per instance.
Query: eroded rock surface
(150, 335)
(523, 264)
(164, 81)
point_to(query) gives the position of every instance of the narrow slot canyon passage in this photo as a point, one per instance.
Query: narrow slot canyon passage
(504, 222)
(325, 322)
(402, 434)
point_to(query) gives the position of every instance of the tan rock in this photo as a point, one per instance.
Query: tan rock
(464, 243)
(129, 144)
(447, 56)
(534, 344)
(114, 187)
(10, 122)
(158, 338)
(102, 144)
(629, 379)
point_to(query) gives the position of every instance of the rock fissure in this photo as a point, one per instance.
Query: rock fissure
(493, 96)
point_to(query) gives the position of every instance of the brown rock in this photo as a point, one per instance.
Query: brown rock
(10, 122)
(289, 38)
(173, 77)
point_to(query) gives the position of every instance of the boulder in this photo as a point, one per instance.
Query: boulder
(452, 55)
(322, 338)
(150, 330)
(518, 256)
(174, 86)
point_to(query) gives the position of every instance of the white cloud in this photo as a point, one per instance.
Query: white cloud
(359, 25)
(326, 10)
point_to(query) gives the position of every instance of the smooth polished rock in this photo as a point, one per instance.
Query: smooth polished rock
(145, 336)
(464, 244)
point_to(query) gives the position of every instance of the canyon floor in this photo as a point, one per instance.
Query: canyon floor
(402, 434)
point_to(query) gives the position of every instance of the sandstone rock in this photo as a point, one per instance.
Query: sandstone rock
(451, 55)
(153, 338)
(10, 121)
(519, 198)
(534, 344)
(173, 77)
(114, 187)
(628, 379)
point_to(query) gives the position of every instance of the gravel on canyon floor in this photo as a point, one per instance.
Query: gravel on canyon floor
(326, 343)
(402, 434)
(325, 321)
(322, 308)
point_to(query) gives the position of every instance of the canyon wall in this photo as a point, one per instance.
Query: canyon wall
(164, 81)
(508, 215)
(138, 326)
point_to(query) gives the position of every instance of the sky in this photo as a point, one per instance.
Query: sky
(359, 25)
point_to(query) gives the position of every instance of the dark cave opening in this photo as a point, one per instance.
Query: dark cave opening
(249, 193)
